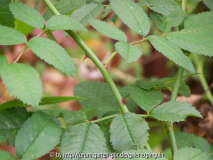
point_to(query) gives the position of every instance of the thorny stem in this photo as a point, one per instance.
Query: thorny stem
(94, 58)
(22, 52)
(169, 126)
(110, 59)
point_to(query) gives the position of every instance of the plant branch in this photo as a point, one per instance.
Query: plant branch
(105, 118)
(94, 58)
(19, 56)
(199, 67)
(142, 40)
(110, 59)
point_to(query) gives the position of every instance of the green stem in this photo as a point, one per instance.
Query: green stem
(105, 118)
(110, 59)
(50, 35)
(148, 147)
(94, 58)
(20, 54)
(199, 67)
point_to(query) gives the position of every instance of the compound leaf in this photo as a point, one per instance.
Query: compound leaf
(171, 51)
(11, 121)
(200, 21)
(191, 140)
(174, 111)
(37, 130)
(128, 131)
(108, 30)
(64, 7)
(129, 52)
(52, 53)
(190, 154)
(6, 17)
(99, 96)
(44, 101)
(27, 14)
(144, 98)
(10, 36)
(132, 15)
(84, 138)
(23, 82)
(88, 11)
(6, 155)
(195, 41)
(63, 22)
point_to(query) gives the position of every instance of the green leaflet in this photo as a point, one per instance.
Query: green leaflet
(132, 15)
(27, 14)
(52, 53)
(88, 11)
(84, 138)
(190, 154)
(108, 30)
(11, 121)
(129, 52)
(161, 21)
(23, 82)
(6, 155)
(191, 140)
(10, 36)
(105, 130)
(3, 60)
(128, 131)
(171, 51)
(23, 27)
(64, 7)
(209, 4)
(170, 9)
(62, 22)
(201, 21)
(6, 17)
(174, 111)
(99, 96)
(44, 101)
(195, 41)
(37, 130)
(131, 154)
(146, 99)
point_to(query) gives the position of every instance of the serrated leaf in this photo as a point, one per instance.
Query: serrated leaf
(44, 101)
(144, 98)
(6, 17)
(171, 51)
(84, 138)
(190, 154)
(23, 82)
(99, 96)
(191, 140)
(128, 131)
(64, 7)
(3, 61)
(132, 15)
(105, 130)
(62, 22)
(6, 155)
(170, 9)
(209, 4)
(88, 11)
(132, 154)
(125, 93)
(145, 84)
(52, 53)
(195, 41)
(200, 21)
(174, 111)
(10, 36)
(37, 130)
(11, 121)
(108, 30)
(27, 15)
(23, 27)
(129, 52)
(161, 21)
